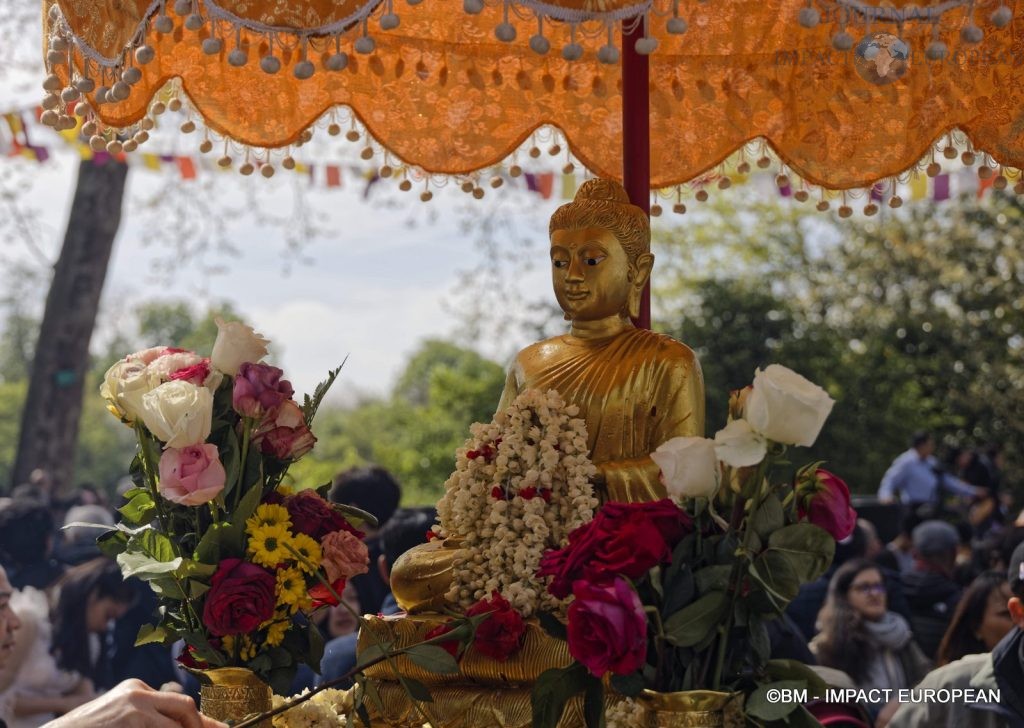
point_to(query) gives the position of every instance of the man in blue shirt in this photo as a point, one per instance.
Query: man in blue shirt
(916, 477)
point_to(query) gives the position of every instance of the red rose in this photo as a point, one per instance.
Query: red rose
(824, 500)
(607, 628)
(449, 646)
(321, 596)
(259, 389)
(623, 538)
(283, 433)
(313, 516)
(500, 634)
(240, 599)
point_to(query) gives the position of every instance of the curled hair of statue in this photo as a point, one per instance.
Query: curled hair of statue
(604, 203)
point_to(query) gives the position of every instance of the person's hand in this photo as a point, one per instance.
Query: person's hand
(133, 704)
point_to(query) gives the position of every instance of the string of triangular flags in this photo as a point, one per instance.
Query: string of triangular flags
(21, 132)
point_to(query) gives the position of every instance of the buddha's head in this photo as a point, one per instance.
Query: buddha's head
(600, 253)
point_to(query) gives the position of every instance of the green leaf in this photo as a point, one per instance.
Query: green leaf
(138, 476)
(759, 706)
(795, 670)
(433, 659)
(310, 404)
(774, 572)
(769, 517)
(154, 544)
(139, 510)
(148, 634)
(691, 624)
(209, 548)
(713, 578)
(416, 689)
(112, 543)
(234, 533)
(316, 647)
(552, 691)
(593, 703)
(810, 549)
(760, 641)
(631, 685)
(371, 692)
(358, 514)
(145, 567)
(230, 458)
(550, 624)
(680, 589)
(166, 587)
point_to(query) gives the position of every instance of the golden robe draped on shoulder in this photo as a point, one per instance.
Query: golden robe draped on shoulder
(635, 390)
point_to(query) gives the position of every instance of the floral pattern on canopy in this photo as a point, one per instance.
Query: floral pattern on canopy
(441, 92)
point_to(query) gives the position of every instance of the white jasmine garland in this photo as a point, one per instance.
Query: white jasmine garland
(536, 443)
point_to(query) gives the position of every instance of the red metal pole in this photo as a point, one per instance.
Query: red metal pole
(636, 138)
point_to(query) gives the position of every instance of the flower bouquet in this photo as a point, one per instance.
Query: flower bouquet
(677, 595)
(237, 559)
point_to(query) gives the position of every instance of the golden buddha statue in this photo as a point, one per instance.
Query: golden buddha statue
(635, 389)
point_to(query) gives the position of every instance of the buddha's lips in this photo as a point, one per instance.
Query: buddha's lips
(576, 295)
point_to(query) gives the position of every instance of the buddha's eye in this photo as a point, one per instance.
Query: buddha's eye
(593, 259)
(559, 263)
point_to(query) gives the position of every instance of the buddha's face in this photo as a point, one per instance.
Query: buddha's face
(590, 272)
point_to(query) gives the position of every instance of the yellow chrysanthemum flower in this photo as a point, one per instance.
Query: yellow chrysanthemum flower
(267, 544)
(284, 490)
(309, 550)
(268, 514)
(276, 631)
(291, 589)
(246, 650)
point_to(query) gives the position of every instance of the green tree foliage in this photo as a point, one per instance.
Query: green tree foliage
(415, 431)
(910, 322)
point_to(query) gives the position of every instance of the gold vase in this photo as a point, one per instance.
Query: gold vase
(687, 709)
(232, 693)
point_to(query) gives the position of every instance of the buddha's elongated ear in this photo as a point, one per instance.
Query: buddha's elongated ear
(640, 273)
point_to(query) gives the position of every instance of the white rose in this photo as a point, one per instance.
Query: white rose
(236, 344)
(785, 407)
(689, 467)
(179, 413)
(123, 387)
(739, 446)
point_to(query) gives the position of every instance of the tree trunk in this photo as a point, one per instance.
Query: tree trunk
(49, 420)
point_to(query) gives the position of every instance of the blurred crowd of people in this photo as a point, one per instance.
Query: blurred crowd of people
(69, 620)
(938, 606)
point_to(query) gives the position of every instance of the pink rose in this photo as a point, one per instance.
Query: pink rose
(824, 500)
(259, 389)
(191, 475)
(195, 373)
(344, 556)
(607, 628)
(283, 434)
(171, 361)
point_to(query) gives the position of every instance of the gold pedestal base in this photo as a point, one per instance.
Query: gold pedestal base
(483, 693)
(232, 693)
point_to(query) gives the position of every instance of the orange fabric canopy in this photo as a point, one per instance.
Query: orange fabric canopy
(441, 92)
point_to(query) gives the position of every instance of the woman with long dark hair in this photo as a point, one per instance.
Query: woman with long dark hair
(860, 636)
(58, 648)
(980, 621)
